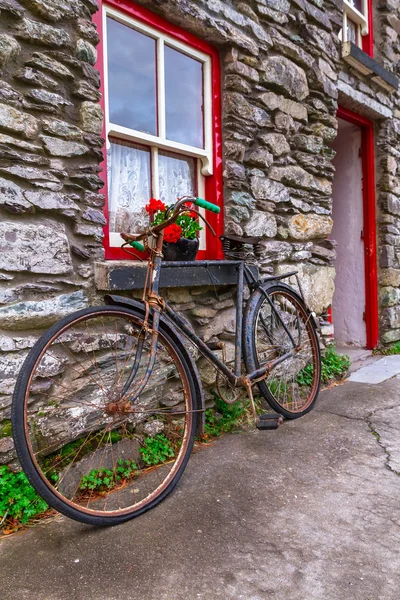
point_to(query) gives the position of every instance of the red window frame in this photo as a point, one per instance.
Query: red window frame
(368, 40)
(213, 183)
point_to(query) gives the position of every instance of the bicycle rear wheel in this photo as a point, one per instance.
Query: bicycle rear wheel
(94, 448)
(291, 388)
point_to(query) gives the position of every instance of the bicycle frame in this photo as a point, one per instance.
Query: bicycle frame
(153, 300)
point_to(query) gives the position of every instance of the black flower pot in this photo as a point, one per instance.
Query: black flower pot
(183, 249)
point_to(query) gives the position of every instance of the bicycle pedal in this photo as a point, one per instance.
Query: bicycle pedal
(269, 421)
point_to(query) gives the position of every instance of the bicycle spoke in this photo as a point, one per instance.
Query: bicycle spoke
(99, 452)
(283, 326)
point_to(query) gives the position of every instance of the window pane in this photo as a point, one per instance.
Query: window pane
(183, 98)
(131, 78)
(129, 186)
(357, 4)
(176, 177)
(352, 30)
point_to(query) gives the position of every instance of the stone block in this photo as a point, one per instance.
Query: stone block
(275, 251)
(389, 337)
(276, 142)
(47, 200)
(61, 129)
(297, 177)
(389, 277)
(50, 98)
(29, 173)
(55, 10)
(9, 48)
(294, 109)
(18, 122)
(386, 256)
(85, 51)
(308, 143)
(261, 224)
(50, 65)
(260, 158)
(310, 226)
(391, 317)
(267, 189)
(317, 283)
(282, 74)
(94, 216)
(12, 197)
(64, 148)
(389, 296)
(32, 76)
(91, 116)
(31, 314)
(34, 31)
(34, 247)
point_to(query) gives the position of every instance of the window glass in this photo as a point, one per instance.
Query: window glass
(352, 30)
(129, 186)
(176, 176)
(131, 78)
(357, 4)
(183, 98)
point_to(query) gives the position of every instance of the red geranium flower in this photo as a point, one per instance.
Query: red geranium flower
(154, 206)
(172, 233)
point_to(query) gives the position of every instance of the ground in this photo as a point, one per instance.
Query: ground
(307, 512)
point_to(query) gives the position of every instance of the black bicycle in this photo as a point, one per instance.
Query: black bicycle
(108, 401)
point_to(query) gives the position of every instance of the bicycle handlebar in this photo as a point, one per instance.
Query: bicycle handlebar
(207, 205)
(133, 240)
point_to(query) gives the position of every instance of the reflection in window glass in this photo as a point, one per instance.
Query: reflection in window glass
(131, 78)
(183, 98)
(176, 177)
(129, 189)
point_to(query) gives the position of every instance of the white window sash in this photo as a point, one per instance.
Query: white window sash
(204, 154)
(357, 17)
(159, 142)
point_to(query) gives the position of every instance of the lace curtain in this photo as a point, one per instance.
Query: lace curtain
(176, 177)
(129, 187)
(129, 183)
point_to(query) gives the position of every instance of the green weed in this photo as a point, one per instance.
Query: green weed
(333, 366)
(98, 479)
(394, 349)
(5, 428)
(19, 502)
(156, 450)
(223, 418)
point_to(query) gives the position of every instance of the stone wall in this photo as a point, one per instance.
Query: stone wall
(282, 78)
(387, 14)
(50, 212)
(280, 61)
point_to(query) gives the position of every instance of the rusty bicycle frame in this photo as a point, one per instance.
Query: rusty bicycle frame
(155, 305)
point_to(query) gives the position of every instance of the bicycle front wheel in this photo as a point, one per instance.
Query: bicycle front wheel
(275, 327)
(96, 443)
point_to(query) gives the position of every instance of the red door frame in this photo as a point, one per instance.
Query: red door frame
(213, 183)
(369, 210)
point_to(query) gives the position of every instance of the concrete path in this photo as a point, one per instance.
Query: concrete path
(381, 370)
(309, 512)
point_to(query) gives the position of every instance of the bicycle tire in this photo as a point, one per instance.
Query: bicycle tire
(292, 387)
(120, 434)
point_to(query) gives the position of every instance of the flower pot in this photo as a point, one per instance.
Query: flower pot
(183, 249)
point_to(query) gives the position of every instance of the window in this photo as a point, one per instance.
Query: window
(355, 21)
(160, 120)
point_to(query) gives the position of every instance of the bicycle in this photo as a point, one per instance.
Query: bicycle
(107, 403)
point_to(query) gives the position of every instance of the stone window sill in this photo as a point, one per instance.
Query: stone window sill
(361, 61)
(130, 275)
